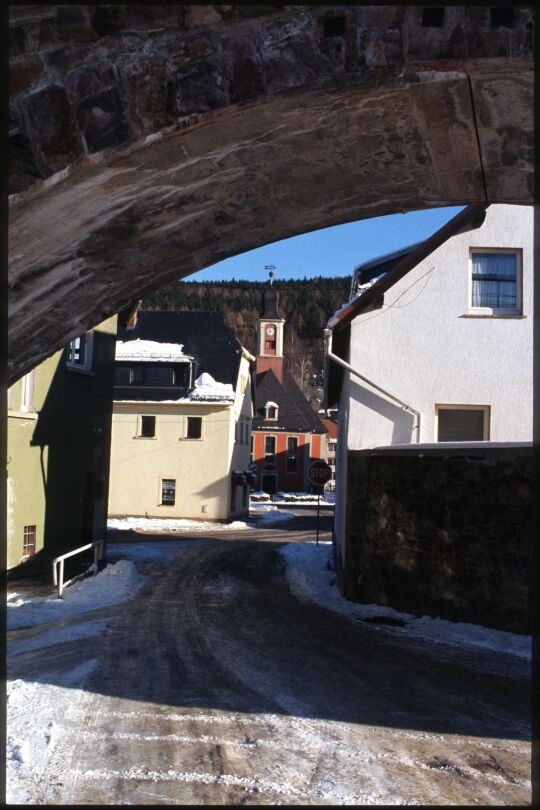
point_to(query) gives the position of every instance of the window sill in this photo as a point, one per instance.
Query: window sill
(515, 316)
(79, 370)
(24, 414)
(188, 439)
(147, 438)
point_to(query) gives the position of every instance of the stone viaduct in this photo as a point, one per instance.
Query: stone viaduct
(147, 142)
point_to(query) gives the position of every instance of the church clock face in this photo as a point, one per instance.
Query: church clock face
(270, 331)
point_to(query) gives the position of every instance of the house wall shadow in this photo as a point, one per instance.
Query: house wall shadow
(74, 425)
(402, 421)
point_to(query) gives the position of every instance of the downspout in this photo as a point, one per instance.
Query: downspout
(349, 368)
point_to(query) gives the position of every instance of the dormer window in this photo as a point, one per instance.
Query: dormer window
(271, 411)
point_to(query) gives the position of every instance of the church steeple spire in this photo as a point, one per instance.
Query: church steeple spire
(270, 332)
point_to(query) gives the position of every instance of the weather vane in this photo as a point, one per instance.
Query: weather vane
(270, 268)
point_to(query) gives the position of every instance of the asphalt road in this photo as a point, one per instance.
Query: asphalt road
(216, 685)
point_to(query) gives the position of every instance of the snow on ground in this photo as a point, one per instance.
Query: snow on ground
(116, 583)
(34, 715)
(266, 513)
(172, 524)
(312, 579)
(289, 498)
(36, 706)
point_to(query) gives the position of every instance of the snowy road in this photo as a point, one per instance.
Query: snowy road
(215, 685)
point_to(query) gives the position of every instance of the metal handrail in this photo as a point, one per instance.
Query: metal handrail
(58, 577)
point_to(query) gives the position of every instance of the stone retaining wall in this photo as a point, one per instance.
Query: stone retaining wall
(445, 533)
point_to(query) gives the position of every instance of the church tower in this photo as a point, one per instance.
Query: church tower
(270, 334)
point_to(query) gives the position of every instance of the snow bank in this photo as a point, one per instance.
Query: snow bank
(303, 497)
(149, 350)
(116, 583)
(207, 389)
(172, 525)
(310, 580)
(265, 513)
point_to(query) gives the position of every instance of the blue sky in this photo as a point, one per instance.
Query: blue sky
(332, 251)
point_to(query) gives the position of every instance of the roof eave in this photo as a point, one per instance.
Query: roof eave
(470, 218)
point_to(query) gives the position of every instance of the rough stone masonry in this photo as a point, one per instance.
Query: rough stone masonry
(147, 142)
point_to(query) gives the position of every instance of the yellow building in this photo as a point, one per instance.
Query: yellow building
(182, 415)
(58, 439)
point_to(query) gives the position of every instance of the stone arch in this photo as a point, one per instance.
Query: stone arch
(150, 142)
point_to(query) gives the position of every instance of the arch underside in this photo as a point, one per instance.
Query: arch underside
(116, 225)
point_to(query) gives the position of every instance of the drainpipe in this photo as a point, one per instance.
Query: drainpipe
(348, 367)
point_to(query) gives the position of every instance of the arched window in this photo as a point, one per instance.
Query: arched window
(271, 411)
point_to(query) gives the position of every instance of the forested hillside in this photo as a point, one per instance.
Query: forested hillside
(306, 305)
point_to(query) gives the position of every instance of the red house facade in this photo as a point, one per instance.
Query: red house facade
(286, 434)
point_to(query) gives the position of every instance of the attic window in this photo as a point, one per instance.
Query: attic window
(433, 17)
(271, 410)
(501, 16)
(334, 26)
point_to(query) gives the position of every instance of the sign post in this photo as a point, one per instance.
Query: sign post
(319, 472)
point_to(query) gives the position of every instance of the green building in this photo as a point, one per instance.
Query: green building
(58, 449)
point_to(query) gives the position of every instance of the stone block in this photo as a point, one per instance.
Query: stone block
(52, 129)
(103, 121)
(90, 80)
(242, 67)
(145, 86)
(197, 88)
(23, 72)
(22, 168)
(17, 41)
(66, 57)
(74, 23)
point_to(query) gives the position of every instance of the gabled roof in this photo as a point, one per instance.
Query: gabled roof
(470, 218)
(295, 414)
(203, 336)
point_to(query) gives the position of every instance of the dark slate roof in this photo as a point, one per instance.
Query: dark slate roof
(377, 267)
(295, 414)
(204, 336)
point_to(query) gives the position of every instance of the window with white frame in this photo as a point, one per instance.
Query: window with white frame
(27, 392)
(292, 454)
(271, 411)
(462, 423)
(168, 491)
(80, 351)
(269, 451)
(496, 282)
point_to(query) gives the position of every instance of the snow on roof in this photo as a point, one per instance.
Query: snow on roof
(207, 389)
(271, 404)
(150, 350)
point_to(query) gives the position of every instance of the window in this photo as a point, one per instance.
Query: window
(292, 454)
(168, 491)
(466, 423)
(495, 281)
(194, 427)
(271, 410)
(147, 427)
(136, 375)
(251, 449)
(10, 398)
(27, 392)
(270, 345)
(29, 541)
(270, 451)
(180, 374)
(79, 352)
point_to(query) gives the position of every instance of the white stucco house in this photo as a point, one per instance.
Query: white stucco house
(182, 414)
(436, 342)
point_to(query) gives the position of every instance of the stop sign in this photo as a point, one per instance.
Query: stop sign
(319, 472)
